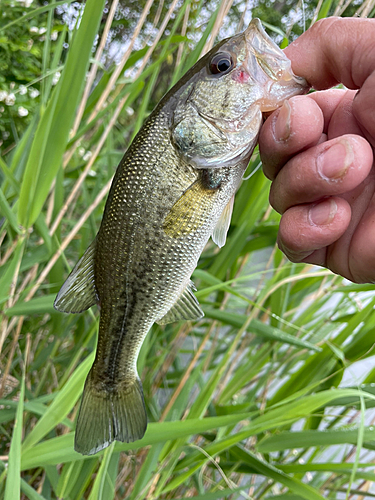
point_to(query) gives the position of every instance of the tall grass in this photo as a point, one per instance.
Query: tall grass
(270, 395)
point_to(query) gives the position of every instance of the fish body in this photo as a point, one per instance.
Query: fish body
(173, 189)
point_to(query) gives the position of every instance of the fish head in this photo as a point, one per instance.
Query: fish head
(218, 112)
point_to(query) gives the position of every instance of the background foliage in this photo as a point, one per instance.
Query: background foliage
(270, 396)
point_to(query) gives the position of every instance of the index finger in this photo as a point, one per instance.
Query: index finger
(340, 50)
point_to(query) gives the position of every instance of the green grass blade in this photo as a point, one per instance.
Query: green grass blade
(61, 406)
(60, 449)
(13, 483)
(68, 478)
(6, 278)
(39, 305)
(262, 329)
(7, 212)
(52, 133)
(217, 495)
(30, 492)
(303, 439)
(97, 490)
(148, 468)
(268, 470)
(324, 10)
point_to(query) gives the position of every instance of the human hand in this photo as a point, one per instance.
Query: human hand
(318, 151)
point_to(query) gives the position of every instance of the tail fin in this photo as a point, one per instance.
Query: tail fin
(108, 415)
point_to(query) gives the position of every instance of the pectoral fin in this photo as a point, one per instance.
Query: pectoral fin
(219, 235)
(190, 211)
(185, 309)
(78, 293)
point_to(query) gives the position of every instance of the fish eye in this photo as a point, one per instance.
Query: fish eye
(221, 63)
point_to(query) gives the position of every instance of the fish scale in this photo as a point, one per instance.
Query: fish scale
(173, 189)
(149, 274)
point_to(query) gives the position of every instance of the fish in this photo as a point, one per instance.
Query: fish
(173, 190)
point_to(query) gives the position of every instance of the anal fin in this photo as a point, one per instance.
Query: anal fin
(186, 308)
(78, 293)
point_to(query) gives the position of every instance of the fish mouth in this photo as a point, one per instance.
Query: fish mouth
(269, 66)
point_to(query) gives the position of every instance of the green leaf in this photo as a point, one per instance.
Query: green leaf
(53, 130)
(324, 9)
(7, 211)
(258, 328)
(68, 477)
(9, 270)
(60, 449)
(30, 492)
(97, 490)
(270, 471)
(39, 305)
(217, 495)
(279, 416)
(13, 484)
(61, 406)
(287, 440)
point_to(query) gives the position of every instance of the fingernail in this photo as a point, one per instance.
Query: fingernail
(322, 213)
(282, 125)
(333, 163)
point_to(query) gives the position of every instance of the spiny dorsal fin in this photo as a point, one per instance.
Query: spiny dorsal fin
(78, 293)
(186, 308)
(190, 211)
(219, 235)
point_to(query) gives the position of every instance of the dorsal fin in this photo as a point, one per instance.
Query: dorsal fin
(186, 308)
(78, 293)
(219, 234)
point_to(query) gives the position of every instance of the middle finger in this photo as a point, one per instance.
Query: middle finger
(331, 168)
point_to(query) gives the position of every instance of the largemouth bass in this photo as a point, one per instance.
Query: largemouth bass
(173, 189)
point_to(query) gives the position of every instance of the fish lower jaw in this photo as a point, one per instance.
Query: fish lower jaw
(280, 91)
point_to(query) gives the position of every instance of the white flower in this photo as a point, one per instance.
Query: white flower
(22, 90)
(34, 29)
(3, 95)
(26, 3)
(81, 151)
(130, 111)
(54, 35)
(56, 77)
(22, 111)
(42, 31)
(33, 92)
(10, 99)
(87, 155)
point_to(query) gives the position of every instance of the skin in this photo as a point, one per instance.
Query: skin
(318, 150)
